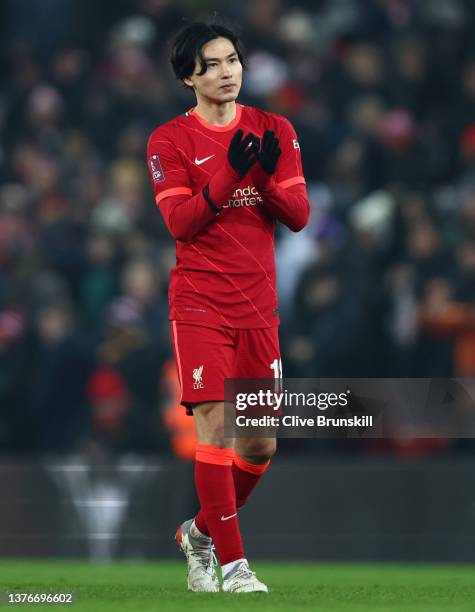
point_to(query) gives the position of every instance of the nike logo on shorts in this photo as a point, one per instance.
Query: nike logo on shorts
(226, 518)
(198, 162)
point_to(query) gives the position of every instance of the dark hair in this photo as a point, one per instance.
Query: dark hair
(189, 42)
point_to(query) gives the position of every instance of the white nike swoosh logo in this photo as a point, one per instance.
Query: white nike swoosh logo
(198, 162)
(226, 518)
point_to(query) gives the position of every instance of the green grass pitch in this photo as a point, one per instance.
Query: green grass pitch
(147, 587)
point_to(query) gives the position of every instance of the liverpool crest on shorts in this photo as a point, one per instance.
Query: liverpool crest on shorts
(198, 378)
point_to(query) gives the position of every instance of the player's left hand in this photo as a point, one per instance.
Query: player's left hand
(270, 152)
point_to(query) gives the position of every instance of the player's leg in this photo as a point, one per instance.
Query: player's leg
(256, 352)
(251, 459)
(203, 356)
(257, 356)
(215, 487)
(215, 484)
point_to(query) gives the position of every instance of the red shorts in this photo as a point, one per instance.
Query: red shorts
(205, 356)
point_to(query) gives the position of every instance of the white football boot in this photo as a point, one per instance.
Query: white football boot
(242, 580)
(199, 553)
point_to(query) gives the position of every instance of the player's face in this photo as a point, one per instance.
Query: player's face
(222, 80)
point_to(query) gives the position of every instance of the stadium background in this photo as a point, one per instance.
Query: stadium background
(381, 283)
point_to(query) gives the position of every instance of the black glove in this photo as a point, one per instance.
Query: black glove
(270, 152)
(243, 153)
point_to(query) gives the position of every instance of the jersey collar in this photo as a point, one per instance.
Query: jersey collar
(218, 128)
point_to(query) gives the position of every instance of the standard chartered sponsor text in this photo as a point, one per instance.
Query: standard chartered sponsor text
(245, 196)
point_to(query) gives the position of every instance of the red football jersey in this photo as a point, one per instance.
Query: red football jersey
(225, 270)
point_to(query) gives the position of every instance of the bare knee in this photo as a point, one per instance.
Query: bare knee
(256, 450)
(209, 424)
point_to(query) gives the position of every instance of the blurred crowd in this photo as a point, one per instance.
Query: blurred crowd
(382, 281)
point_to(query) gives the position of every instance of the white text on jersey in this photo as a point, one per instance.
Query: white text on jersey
(247, 196)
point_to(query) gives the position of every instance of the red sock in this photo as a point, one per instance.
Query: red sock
(215, 488)
(246, 476)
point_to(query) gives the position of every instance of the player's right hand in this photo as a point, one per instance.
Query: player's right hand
(243, 152)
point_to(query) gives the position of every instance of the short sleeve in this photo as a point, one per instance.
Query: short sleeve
(289, 168)
(167, 170)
